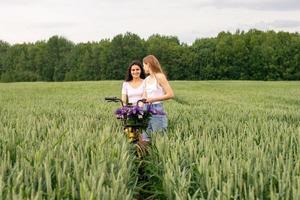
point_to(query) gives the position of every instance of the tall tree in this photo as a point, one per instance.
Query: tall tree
(58, 49)
(204, 59)
(166, 49)
(124, 49)
(4, 46)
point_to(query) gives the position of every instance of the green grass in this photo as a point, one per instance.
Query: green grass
(226, 140)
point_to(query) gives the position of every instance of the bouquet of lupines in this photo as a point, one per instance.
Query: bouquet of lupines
(136, 115)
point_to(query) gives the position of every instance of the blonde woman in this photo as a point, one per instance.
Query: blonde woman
(157, 90)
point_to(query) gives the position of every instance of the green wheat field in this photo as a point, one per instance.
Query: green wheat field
(226, 140)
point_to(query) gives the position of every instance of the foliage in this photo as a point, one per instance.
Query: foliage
(252, 55)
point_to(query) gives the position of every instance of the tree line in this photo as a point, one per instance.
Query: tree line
(252, 55)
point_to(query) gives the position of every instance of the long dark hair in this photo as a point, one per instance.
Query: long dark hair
(129, 76)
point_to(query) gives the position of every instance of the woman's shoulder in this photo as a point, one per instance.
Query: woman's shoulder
(125, 84)
(160, 76)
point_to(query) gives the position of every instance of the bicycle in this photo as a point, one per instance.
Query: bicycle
(133, 128)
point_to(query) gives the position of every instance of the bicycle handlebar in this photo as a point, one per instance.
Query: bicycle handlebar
(116, 99)
(141, 100)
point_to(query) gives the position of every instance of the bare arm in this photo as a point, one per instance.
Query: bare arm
(144, 96)
(124, 93)
(164, 83)
(124, 99)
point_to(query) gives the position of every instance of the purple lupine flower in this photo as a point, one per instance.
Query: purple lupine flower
(135, 109)
(137, 114)
(141, 112)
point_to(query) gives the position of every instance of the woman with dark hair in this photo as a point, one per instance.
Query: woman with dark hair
(133, 86)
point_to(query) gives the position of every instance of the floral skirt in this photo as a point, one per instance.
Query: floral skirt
(157, 123)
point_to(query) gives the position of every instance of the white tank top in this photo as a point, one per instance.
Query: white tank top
(153, 90)
(133, 94)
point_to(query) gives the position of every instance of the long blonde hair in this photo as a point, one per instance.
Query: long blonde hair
(153, 64)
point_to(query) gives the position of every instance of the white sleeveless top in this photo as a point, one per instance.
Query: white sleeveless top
(133, 94)
(153, 90)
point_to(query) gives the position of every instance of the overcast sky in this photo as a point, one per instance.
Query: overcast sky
(93, 20)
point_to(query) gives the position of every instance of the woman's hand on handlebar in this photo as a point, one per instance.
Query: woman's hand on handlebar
(141, 102)
(149, 100)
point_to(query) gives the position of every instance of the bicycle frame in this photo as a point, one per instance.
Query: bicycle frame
(133, 132)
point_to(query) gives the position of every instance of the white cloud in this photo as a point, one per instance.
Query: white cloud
(275, 5)
(286, 24)
(90, 20)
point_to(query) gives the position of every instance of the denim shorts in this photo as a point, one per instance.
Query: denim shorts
(157, 123)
